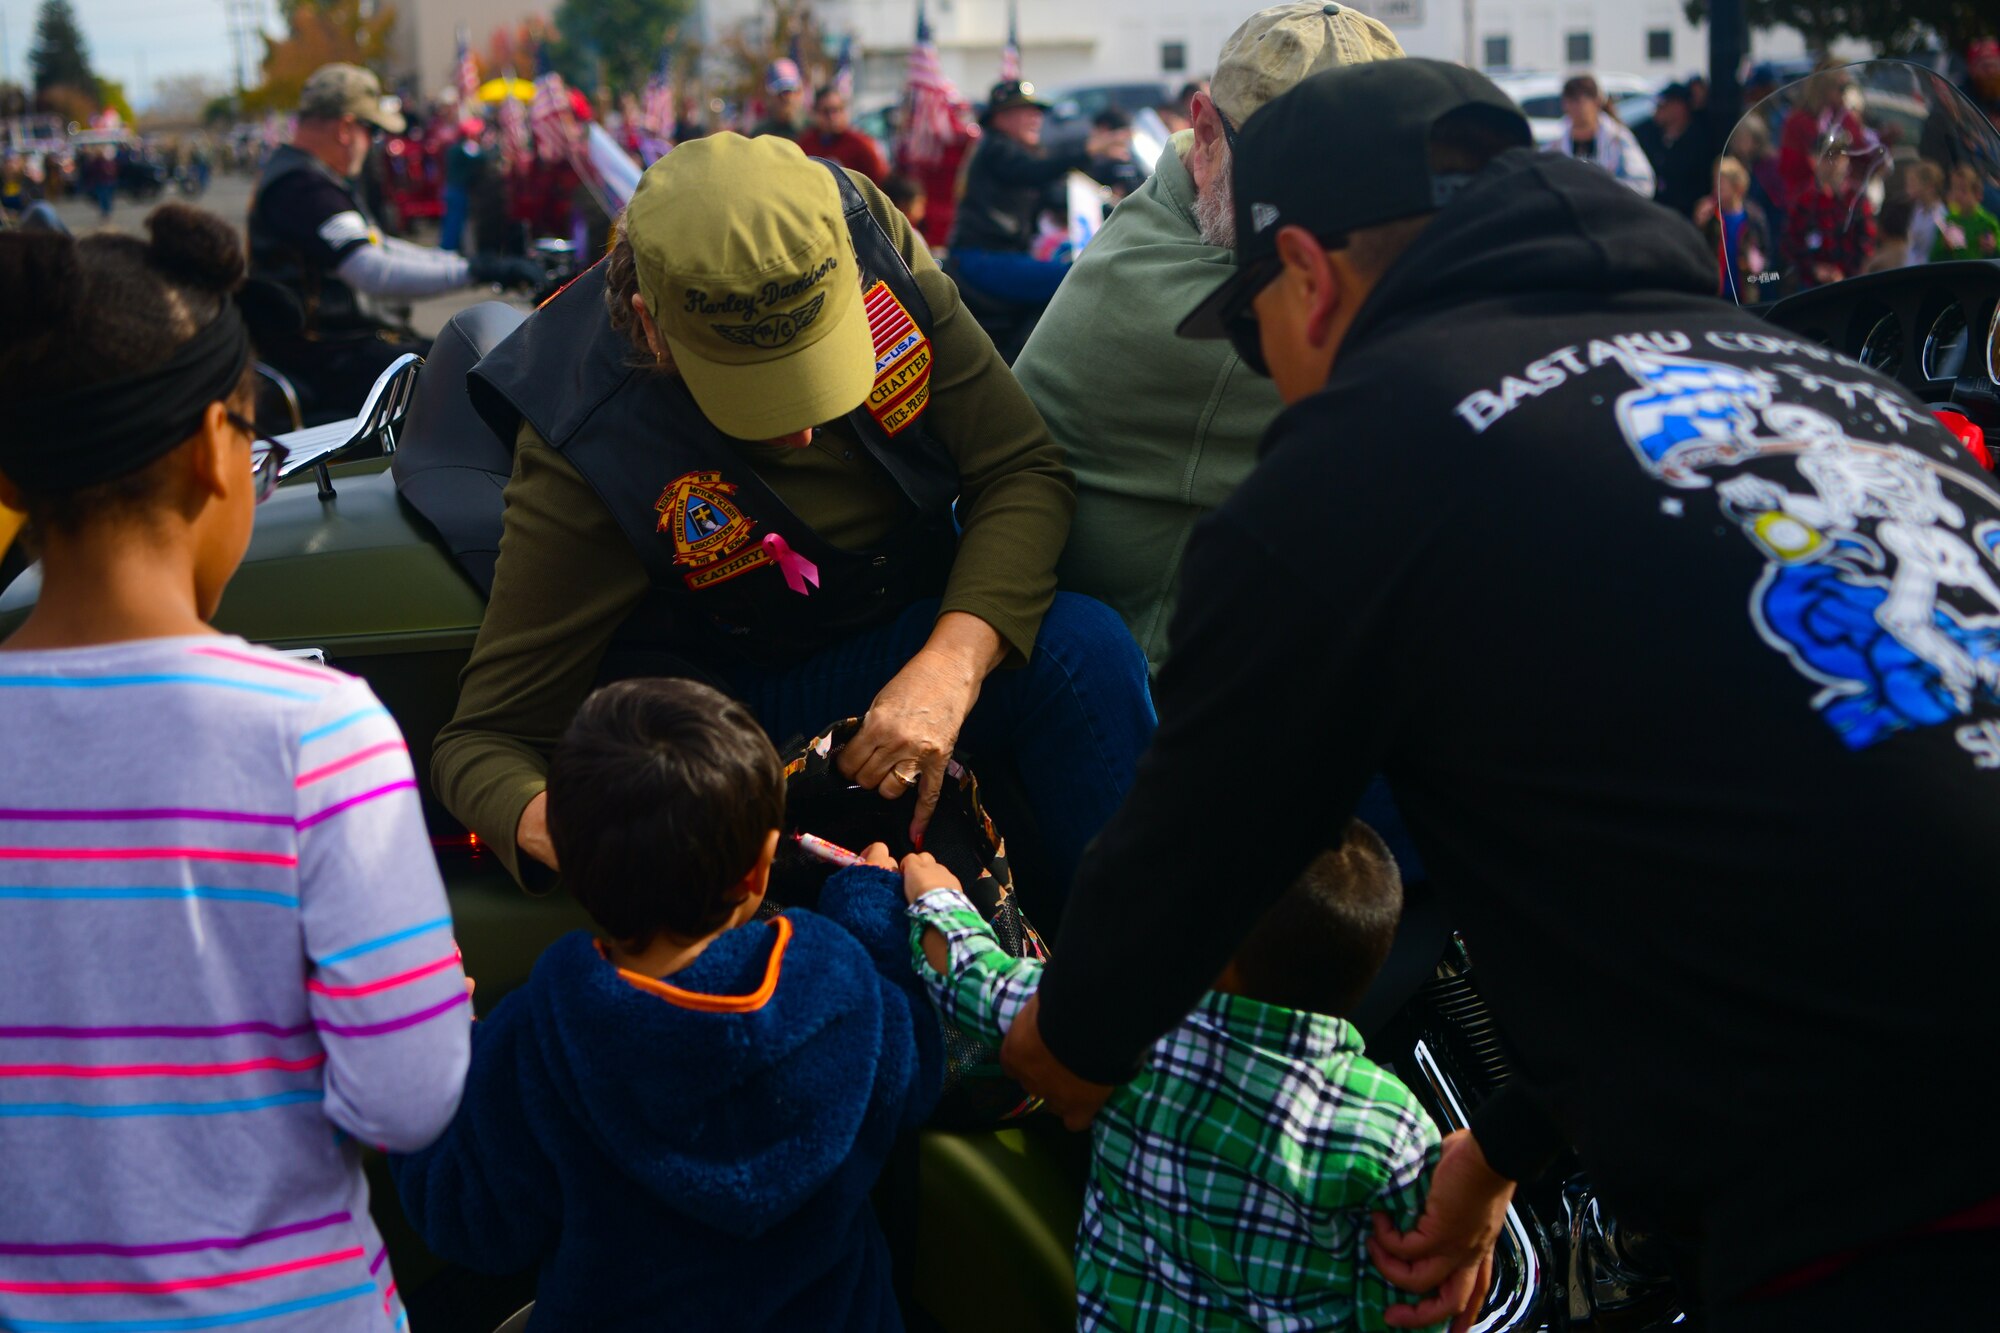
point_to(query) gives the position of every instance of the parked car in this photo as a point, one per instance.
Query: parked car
(1072, 109)
(1540, 98)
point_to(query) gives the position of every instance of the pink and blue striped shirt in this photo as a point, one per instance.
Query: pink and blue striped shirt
(226, 963)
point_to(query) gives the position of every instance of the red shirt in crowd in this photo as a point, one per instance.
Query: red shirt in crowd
(1799, 145)
(1834, 230)
(851, 148)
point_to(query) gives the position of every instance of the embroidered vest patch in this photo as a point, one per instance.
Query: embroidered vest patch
(707, 530)
(902, 361)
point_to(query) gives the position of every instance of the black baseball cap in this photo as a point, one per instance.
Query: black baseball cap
(1347, 148)
(1008, 94)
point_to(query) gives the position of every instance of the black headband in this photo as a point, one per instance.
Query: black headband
(105, 431)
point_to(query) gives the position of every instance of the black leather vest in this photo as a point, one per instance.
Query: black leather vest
(330, 305)
(713, 536)
(993, 215)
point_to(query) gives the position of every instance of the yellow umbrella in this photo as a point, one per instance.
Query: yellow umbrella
(497, 90)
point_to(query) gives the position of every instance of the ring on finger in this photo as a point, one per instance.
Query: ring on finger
(907, 772)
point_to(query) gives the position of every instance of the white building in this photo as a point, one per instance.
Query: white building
(1651, 38)
(1067, 42)
(1109, 41)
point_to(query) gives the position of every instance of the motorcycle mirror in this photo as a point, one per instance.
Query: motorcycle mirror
(1844, 143)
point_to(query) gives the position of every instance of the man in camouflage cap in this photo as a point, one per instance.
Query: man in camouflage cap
(311, 233)
(1160, 430)
(338, 91)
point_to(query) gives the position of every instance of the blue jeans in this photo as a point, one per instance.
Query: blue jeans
(1004, 276)
(451, 231)
(1072, 722)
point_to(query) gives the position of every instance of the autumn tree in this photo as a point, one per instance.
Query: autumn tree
(1889, 26)
(59, 58)
(622, 38)
(320, 34)
(513, 47)
(111, 97)
(782, 28)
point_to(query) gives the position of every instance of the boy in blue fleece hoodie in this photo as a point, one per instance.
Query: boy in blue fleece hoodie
(680, 1124)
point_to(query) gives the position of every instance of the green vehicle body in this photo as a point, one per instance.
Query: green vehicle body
(360, 577)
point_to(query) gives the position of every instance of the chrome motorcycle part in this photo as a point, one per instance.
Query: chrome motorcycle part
(1613, 1271)
(381, 416)
(1517, 1263)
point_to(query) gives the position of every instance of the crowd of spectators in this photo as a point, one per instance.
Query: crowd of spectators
(1805, 190)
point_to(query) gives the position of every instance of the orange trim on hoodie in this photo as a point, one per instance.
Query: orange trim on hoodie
(717, 1004)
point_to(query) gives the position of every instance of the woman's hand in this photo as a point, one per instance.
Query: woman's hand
(531, 835)
(916, 718)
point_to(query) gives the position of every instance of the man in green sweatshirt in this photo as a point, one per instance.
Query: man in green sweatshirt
(1160, 430)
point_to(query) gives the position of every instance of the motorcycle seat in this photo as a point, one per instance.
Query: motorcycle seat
(449, 465)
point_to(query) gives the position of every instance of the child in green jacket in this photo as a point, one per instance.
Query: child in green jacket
(1968, 231)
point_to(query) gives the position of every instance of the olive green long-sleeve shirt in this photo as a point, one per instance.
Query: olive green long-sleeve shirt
(567, 577)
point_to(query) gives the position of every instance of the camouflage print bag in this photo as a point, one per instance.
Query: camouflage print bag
(821, 800)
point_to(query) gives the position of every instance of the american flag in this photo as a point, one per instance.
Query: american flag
(514, 126)
(843, 72)
(656, 110)
(553, 118)
(1010, 54)
(929, 126)
(468, 77)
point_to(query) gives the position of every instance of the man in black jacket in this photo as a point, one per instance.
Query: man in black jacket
(1008, 181)
(311, 234)
(1681, 146)
(1678, 639)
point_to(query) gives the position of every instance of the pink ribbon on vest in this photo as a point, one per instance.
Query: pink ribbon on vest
(798, 570)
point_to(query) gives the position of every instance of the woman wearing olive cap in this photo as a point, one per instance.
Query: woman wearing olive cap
(763, 443)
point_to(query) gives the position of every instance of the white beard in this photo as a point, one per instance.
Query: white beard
(1215, 207)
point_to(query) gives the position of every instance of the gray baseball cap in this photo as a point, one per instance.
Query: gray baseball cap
(1277, 48)
(340, 90)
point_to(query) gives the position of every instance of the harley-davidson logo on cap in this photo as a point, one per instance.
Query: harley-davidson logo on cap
(745, 265)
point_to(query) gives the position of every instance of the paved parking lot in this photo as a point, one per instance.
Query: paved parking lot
(229, 196)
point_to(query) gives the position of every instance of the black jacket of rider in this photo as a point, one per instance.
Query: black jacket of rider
(304, 222)
(1615, 584)
(1006, 188)
(311, 234)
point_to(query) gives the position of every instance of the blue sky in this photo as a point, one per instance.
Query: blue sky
(131, 38)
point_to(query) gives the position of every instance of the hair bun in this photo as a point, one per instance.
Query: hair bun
(196, 247)
(41, 283)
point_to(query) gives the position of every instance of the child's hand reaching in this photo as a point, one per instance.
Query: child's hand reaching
(922, 873)
(877, 854)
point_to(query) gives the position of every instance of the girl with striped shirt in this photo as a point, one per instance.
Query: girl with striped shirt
(226, 962)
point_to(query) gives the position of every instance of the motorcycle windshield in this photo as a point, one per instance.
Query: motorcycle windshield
(1853, 170)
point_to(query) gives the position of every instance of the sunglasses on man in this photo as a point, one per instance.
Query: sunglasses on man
(1239, 317)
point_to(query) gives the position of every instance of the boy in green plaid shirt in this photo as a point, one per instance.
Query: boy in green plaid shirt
(1232, 1182)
